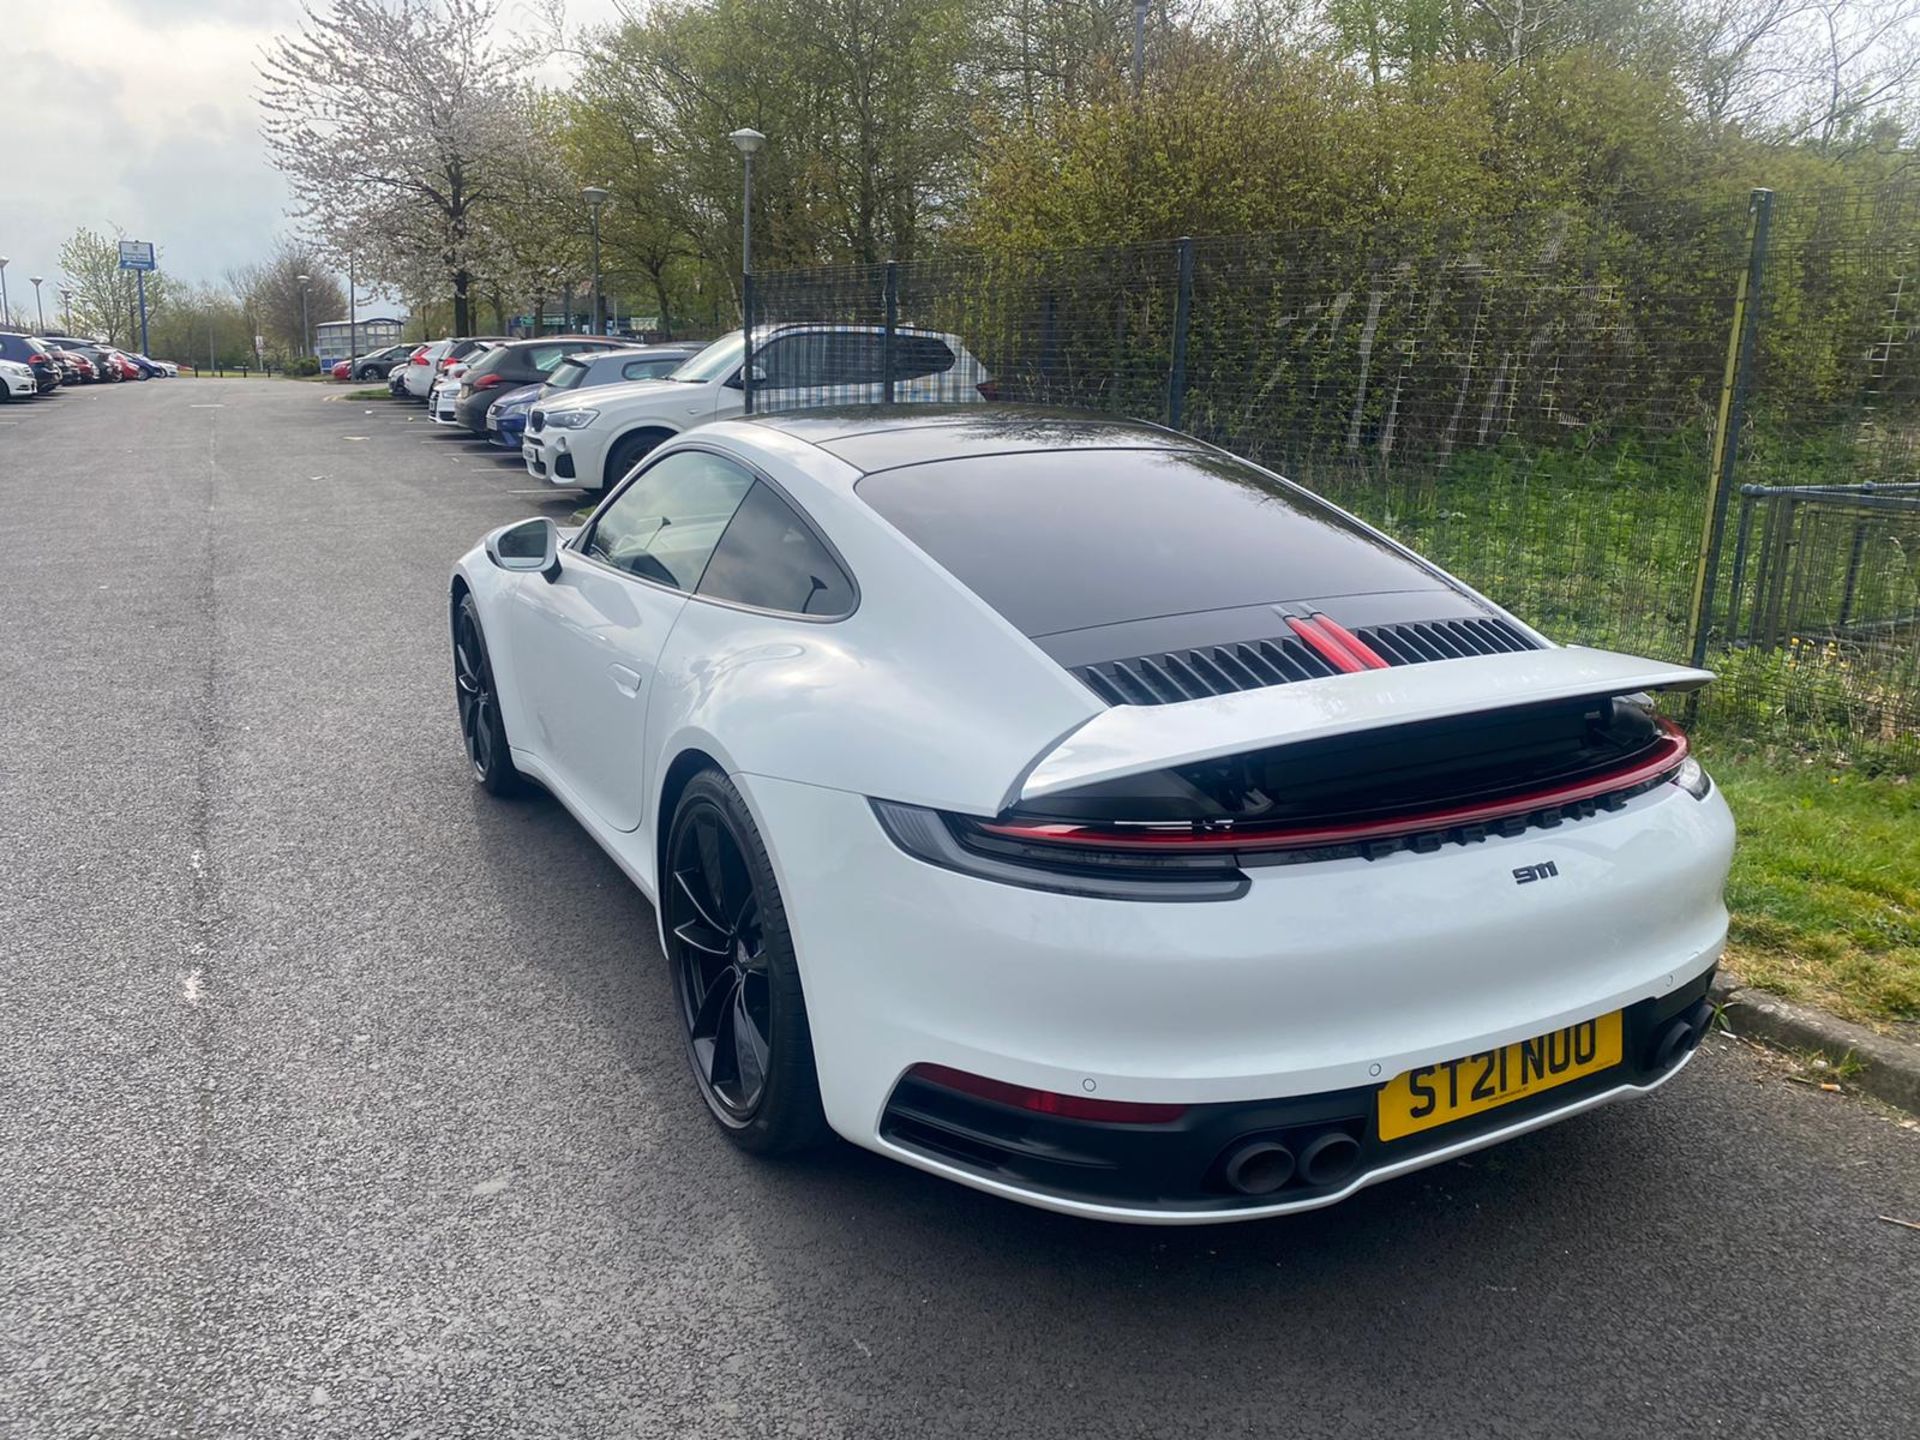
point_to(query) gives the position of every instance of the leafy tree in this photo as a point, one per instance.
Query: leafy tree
(106, 299)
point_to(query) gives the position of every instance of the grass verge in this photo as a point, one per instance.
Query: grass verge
(1825, 891)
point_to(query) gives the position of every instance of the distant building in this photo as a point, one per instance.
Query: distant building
(335, 340)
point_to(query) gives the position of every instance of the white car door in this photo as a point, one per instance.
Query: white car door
(586, 645)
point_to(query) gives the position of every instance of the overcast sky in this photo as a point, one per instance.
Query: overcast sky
(140, 113)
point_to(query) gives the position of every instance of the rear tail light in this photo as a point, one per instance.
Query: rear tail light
(1047, 1102)
(487, 382)
(989, 389)
(1201, 858)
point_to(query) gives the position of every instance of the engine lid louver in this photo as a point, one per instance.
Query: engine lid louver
(1193, 674)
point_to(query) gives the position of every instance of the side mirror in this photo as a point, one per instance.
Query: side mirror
(759, 379)
(530, 545)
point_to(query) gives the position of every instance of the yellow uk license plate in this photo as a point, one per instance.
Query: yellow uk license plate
(1454, 1089)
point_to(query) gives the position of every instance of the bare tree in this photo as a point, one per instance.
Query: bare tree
(391, 120)
(271, 293)
(1817, 72)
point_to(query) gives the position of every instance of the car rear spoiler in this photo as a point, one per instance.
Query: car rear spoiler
(1136, 739)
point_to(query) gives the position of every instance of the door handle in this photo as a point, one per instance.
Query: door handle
(626, 681)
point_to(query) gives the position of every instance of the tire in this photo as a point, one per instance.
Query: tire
(482, 730)
(628, 451)
(733, 965)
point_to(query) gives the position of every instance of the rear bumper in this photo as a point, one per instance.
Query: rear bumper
(1318, 985)
(1178, 1172)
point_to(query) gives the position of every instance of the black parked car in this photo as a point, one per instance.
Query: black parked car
(515, 363)
(379, 364)
(30, 352)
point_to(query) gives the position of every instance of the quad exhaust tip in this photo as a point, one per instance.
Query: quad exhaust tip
(1329, 1158)
(1681, 1034)
(1259, 1167)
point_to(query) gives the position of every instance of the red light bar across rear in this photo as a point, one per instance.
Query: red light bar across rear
(1661, 760)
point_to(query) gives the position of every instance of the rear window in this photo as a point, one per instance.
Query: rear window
(567, 375)
(1064, 540)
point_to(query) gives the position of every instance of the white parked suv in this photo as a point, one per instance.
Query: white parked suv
(592, 438)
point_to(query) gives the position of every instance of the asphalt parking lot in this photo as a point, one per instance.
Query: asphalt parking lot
(340, 1100)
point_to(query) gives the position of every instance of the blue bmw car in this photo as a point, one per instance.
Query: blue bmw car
(507, 417)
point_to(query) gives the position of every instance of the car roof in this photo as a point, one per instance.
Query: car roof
(882, 437)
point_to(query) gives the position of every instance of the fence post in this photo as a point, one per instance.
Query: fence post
(893, 324)
(746, 353)
(1182, 315)
(1734, 384)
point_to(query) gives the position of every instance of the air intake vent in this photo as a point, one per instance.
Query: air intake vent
(1253, 665)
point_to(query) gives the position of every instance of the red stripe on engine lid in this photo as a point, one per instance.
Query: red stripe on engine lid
(1317, 631)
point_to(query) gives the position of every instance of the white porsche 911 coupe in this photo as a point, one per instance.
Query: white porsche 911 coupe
(1072, 809)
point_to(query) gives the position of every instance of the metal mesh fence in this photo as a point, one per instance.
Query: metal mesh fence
(1534, 405)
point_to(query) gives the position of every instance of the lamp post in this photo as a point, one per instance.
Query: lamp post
(748, 143)
(596, 196)
(39, 309)
(66, 305)
(306, 324)
(6, 315)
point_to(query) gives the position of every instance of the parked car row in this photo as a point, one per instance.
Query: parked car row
(583, 410)
(487, 386)
(33, 365)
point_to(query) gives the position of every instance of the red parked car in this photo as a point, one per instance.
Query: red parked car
(342, 371)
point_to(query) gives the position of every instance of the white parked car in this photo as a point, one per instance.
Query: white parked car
(1074, 810)
(591, 440)
(423, 368)
(445, 393)
(16, 381)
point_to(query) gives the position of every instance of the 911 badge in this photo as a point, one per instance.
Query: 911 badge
(1527, 874)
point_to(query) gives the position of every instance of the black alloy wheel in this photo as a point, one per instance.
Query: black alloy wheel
(734, 974)
(481, 728)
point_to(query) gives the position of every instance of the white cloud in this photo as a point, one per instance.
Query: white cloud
(141, 113)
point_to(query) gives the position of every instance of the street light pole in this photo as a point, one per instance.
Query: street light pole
(6, 315)
(66, 304)
(306, 322)
(748, 143)
(596, 196)
(39, 309)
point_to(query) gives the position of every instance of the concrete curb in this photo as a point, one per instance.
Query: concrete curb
(1890, 1069)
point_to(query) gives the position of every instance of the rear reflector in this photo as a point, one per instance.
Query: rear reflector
(1046, 1102)
(989, 389)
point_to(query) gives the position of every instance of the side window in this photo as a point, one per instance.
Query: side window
(648, 369)
(794, 360)
(665, 524)
(544, 357)
(855, 357)
(917, 356)
(769, 558)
